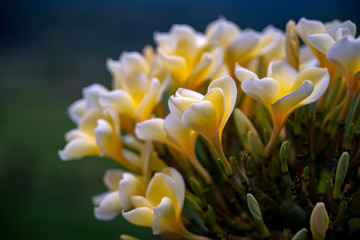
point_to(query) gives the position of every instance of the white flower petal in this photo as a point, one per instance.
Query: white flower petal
(151, 130)
(119, 100)
(77, 110)
(92, 93)
(165, 218)
(109, 208)
(242, 73)
(106, 138)
(141, 216)
(78, 148)
(321, 42)
(129, 186)
(265, 90)
(112, 178)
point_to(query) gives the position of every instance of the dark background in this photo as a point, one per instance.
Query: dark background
(49, 51)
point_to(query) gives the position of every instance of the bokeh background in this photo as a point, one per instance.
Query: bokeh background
(49, 51)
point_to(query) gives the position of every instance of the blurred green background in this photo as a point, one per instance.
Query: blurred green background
(49, 51)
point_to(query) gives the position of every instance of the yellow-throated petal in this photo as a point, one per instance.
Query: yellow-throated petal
(202, 118)
(112, 178)
(165, 219)
(106, 138)
(141, 216)
(162, 185)
(151, 130)
(319, 77)
(140, 201)
(130, 186)
(265, 90)
(321, 41)
(284, 74)
(242, 73)
(119, 100)
(78, 148)
(178, 105)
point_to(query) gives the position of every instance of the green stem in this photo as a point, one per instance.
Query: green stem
(271, 142)
(221, 155)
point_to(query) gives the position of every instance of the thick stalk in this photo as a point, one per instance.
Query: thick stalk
(271, 142)
(221, 155)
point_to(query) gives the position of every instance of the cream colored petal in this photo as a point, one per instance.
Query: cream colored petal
(133, 62)
(346, 55)
(119, 100)
(113, 67)
(91, 95)
(78, 148)
(217, 97)
(77, 110)
(217, 62)
(307, 58)
(109, 208)
(106, 138)
(345, 28)
(309, 26)
(75, 133)
(321, 42)
(239, 49)
(242, 73)
(177, 177)
(130, 186)
(202, 118)
(141, 216)
(178, 105)
(133, 158)
(223, 31)
(284, 74)
(162, 185)
(148, 103)
(319, 77)
(180, 135)
(227, 84)
(265, 90)
(112, 178)
(89, 121)
(286, 104)
(140, 201)
(196, 76)
(183, 92)
(165, 219)
(171, 62)
(132, 141)
(151, 130)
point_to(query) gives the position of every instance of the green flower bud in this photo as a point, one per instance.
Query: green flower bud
(341, 171)
(283, 155)
(243, 125)
(349, 136)
(319, 221)
(195, 187)
(300, 235)
(193, 204)
(256, 213)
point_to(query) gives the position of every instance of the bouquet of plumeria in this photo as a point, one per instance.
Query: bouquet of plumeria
(230, 134)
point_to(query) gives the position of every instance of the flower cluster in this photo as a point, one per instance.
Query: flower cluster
(240, 127)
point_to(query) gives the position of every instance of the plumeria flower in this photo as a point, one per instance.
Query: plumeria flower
(98, 131)
(283, 90)
(319, 221)
(190, 58)
(108, 204)
(253, 49)
(160, 208)
(207, 115)
(345, 54)
(173, 133)
(122, 186)
(138, 86)
(321, 36)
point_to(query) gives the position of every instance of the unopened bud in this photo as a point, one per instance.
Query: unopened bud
(193, 204)
(319, 221)
(211, 216)
(341, 171)
(195, 187)
(256, 213)
(287, 233)
(243, 125)
(149, 53)
(292, 45)
(250, 167)
(283, 155)
(300, 235)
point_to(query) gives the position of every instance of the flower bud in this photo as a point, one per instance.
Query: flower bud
(341, 171)
(255, 144)
(292, 44)
(349, 136)
(256, 213)
(319, 221)
(300, 235)
(283, 155)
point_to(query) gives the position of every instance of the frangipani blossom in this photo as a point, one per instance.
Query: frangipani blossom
(122, 186)
(320, 37)
(162, 204)
(138, 86)
(345, 54)
(98, 131)
(206, 115)
(284, 89)
(173, 133)
(187, 54)
(250, 45)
